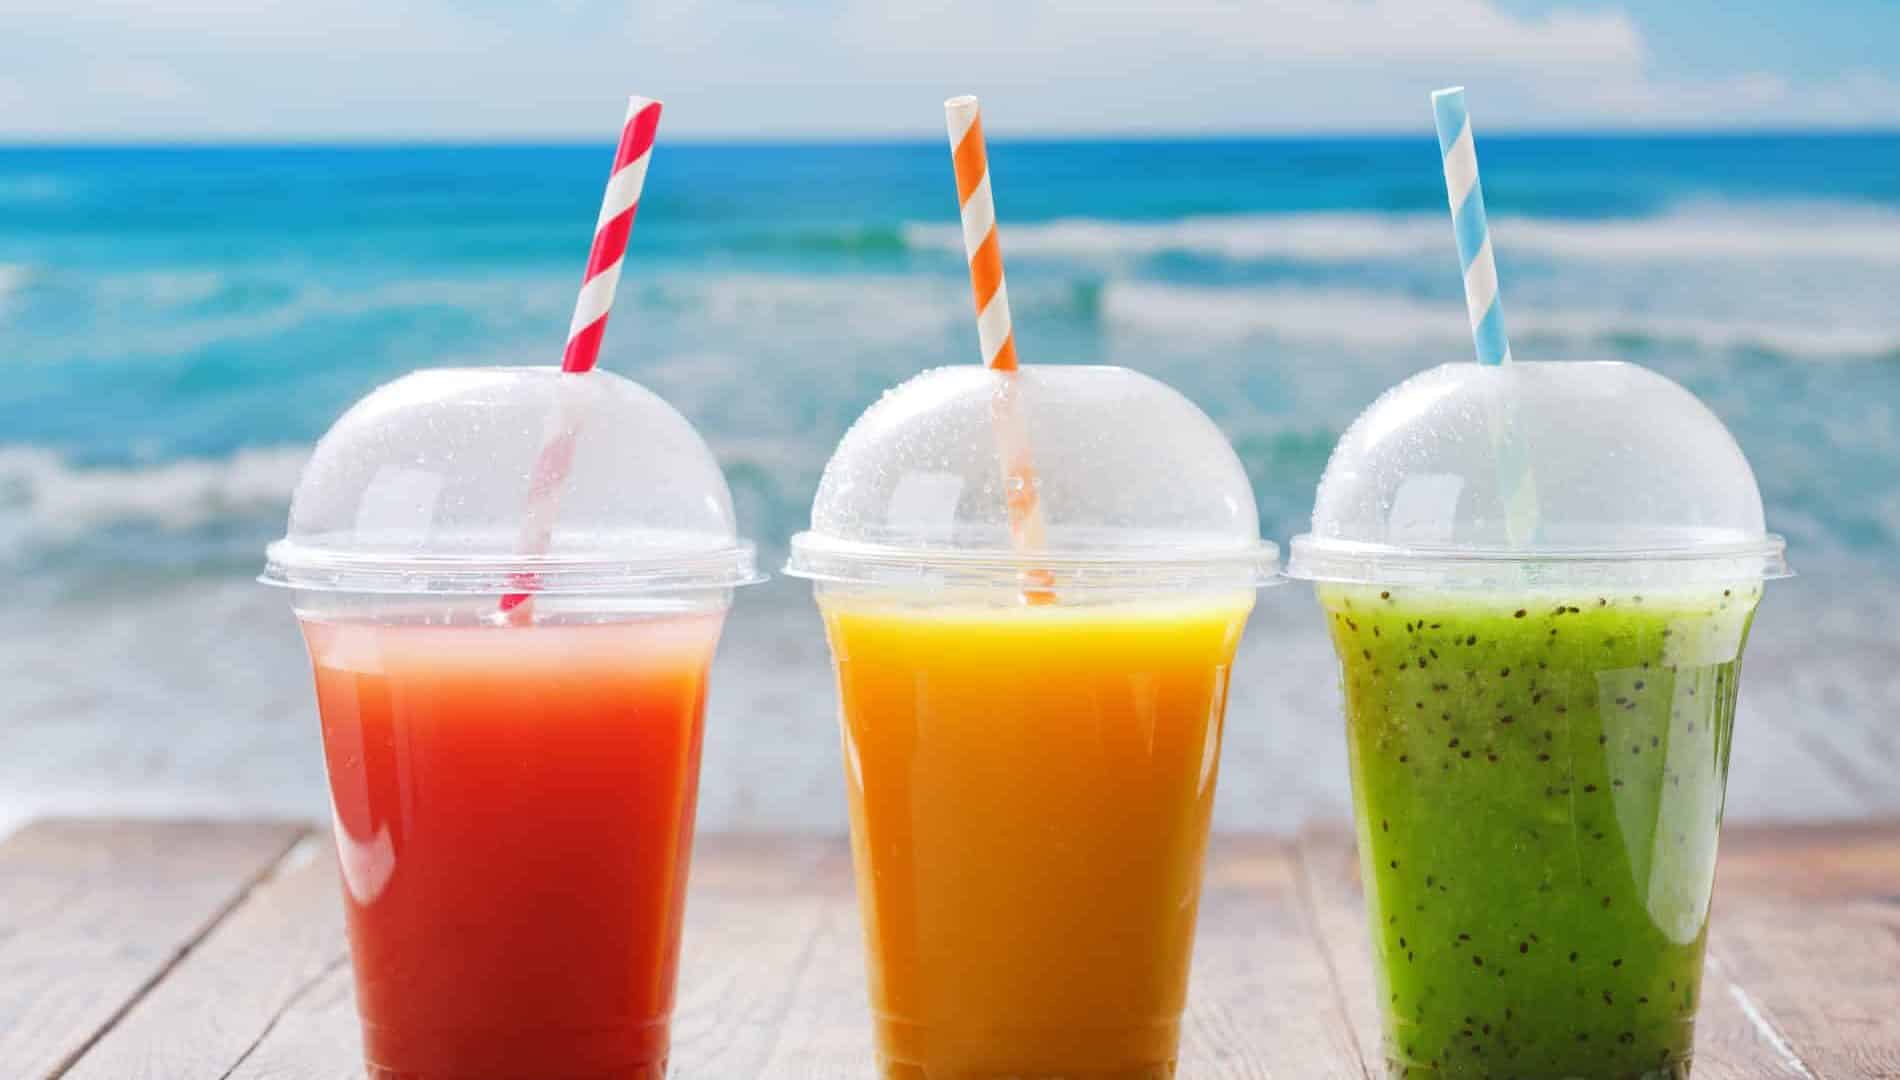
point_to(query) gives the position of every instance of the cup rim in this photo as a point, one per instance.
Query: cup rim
(822, 558)
(1354, 562)
(290, 564)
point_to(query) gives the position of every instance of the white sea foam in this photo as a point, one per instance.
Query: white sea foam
(161, 288)
(500, 299)
(1695, 231)
(875, 309)
(13, 277)
(1314, 237)
(1715, 233)
(61, 500)
(878, 308)
(1216, 314)
(1389, 320)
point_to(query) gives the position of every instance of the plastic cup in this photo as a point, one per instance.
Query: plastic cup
(1030, 782)
(513, 796)
(1539, 579)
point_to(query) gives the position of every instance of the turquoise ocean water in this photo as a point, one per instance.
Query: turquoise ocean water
(177, 324)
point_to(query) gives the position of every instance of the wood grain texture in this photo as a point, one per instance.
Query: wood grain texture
(1807, 925)
(1329, 876)
(1262, 1002)
(315, 1038)
(755, 907)
(224, 996)
(826, 1034)
(93, 913)
(161, 951)
(1735, 1037)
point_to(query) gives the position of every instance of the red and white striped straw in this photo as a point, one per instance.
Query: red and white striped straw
(995, 335)
(589, 325)
(617, 208)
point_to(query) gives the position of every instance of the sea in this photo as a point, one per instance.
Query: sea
(179, 323)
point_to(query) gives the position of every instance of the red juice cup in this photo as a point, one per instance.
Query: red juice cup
(513, 791)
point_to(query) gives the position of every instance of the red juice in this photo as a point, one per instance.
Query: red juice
(514, 820)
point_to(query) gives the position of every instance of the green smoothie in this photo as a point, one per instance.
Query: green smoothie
(1538, 782)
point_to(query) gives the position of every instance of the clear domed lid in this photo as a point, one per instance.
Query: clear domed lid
(1135, 486)
(428, 485)
(1557, 473)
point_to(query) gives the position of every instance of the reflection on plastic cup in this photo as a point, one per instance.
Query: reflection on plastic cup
(1031, 783)
(1538, 724)
(1539, 814)
(513, 799)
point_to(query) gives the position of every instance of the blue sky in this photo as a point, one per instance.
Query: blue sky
(273, 69)
(1808, 41)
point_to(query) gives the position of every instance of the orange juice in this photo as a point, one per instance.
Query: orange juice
(1030, 789)
(514, 817)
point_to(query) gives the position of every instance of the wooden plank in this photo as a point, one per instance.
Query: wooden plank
(1825, 862)
(151, 951)
(1262, 998)
(1329, 874)
(316, 1038)
(1735, 1037)
(1807, 927)
(223, 997)
(755, 907)
(93, 913)
(826, 1028)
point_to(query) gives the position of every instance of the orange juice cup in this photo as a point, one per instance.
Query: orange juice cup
(513, 792)
(1031, 739)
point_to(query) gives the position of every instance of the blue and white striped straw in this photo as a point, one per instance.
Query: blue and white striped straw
(1467, 221)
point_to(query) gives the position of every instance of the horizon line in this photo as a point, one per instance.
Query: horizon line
(10, 141)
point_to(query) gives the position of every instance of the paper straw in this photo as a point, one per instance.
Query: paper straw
(994, 333)
(978, 208)
(1482, 301)
(1516, 484)
(611, 229)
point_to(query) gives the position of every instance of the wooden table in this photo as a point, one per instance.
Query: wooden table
(179, 950)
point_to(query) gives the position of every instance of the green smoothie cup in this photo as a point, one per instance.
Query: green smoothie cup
(1539, 578)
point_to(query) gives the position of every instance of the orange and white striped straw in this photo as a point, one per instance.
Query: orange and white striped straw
(978, 207)
(612, 227)
(994, 332)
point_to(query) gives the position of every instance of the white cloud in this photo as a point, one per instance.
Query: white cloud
(212, 68)
(1277, 31)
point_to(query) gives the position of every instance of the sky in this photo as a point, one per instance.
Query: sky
(214, 70)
